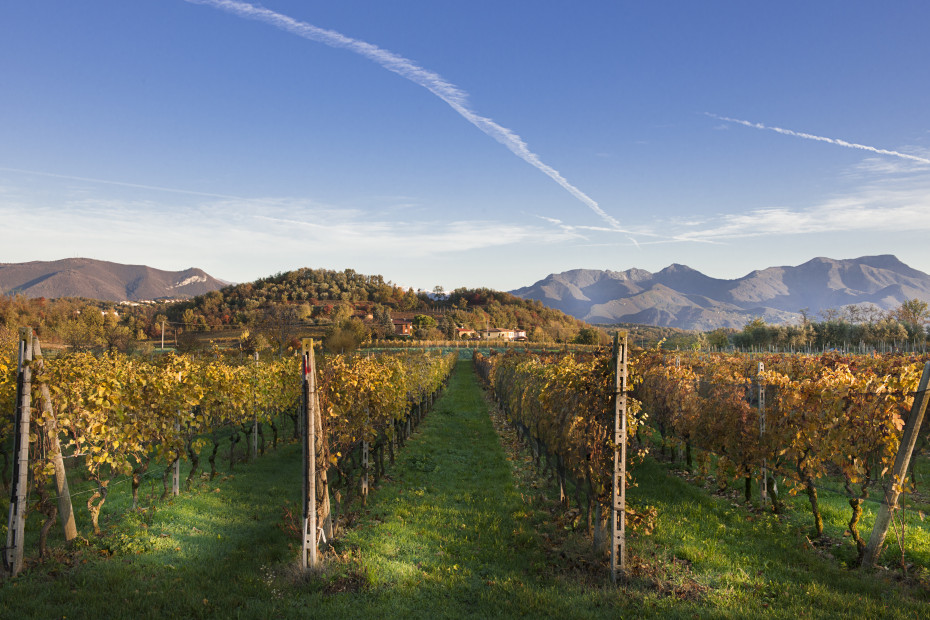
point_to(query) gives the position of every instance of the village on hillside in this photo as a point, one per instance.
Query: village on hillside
(404, 327)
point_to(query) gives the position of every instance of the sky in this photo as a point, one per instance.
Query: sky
(464, 143)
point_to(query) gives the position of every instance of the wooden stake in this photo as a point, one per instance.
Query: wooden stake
(308, 556)
(899, 472)
(254, 413)
(176, 473)
(364, 484)
(65, 509)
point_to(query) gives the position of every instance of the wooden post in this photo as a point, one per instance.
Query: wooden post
(309, 547)
(325, 515)
(763, 483)
(899, 472)
(254, 411)
(65, 509)
(618, 500)
(13, 556)
(176, 474)
(364, 484)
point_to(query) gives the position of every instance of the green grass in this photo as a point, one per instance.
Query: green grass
(755, 563)
(462, 526)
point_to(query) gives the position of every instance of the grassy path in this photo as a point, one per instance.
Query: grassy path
(451, 537)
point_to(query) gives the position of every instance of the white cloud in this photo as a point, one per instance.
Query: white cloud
(884, 208)
(883, 167)
(234, 237)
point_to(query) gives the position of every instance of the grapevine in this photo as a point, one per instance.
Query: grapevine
(824, 414)
(563, 405)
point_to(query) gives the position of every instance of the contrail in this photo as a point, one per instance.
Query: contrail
(433, 82)
(807, 136)
(119, 183)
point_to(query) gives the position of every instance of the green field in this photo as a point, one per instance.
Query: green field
(462, 526)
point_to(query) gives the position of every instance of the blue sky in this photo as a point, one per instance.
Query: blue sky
(511, 140)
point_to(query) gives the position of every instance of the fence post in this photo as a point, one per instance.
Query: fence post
(13, 556)
(309, 548)
(899, 472)
(618, 500)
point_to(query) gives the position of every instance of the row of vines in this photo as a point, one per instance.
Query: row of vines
(374, 401)
(562, 405)
(802, 419)
(119, 416)
(799, 421)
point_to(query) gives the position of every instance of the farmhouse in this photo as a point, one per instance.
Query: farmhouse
(403, 327)
(502, 334)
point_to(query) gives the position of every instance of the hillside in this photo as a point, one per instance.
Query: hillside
(679, 296)
(106, 281)
(319, 295)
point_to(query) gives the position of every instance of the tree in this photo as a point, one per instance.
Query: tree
(346, 336)
(383, 322)
(83, 330)
(423, 325)
(251, 343)
(913, 311)
(340, 314)
(700, 342)
(719, 338)
(280, 324)
(409, 301)
(116, 337)
(423, 321)
(587, 335)
(538, 334)
(447, 327)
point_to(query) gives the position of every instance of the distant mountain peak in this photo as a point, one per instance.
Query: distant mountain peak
(680, 296)
(677, 268)
(104, 280)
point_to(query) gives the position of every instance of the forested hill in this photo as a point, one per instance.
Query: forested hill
(321, 295)
(344, 307)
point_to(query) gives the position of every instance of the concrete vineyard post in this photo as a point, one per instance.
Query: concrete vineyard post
(13, 555)
(618, 500)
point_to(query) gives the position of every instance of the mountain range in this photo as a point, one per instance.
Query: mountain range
(96, 279)
(679, 296)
